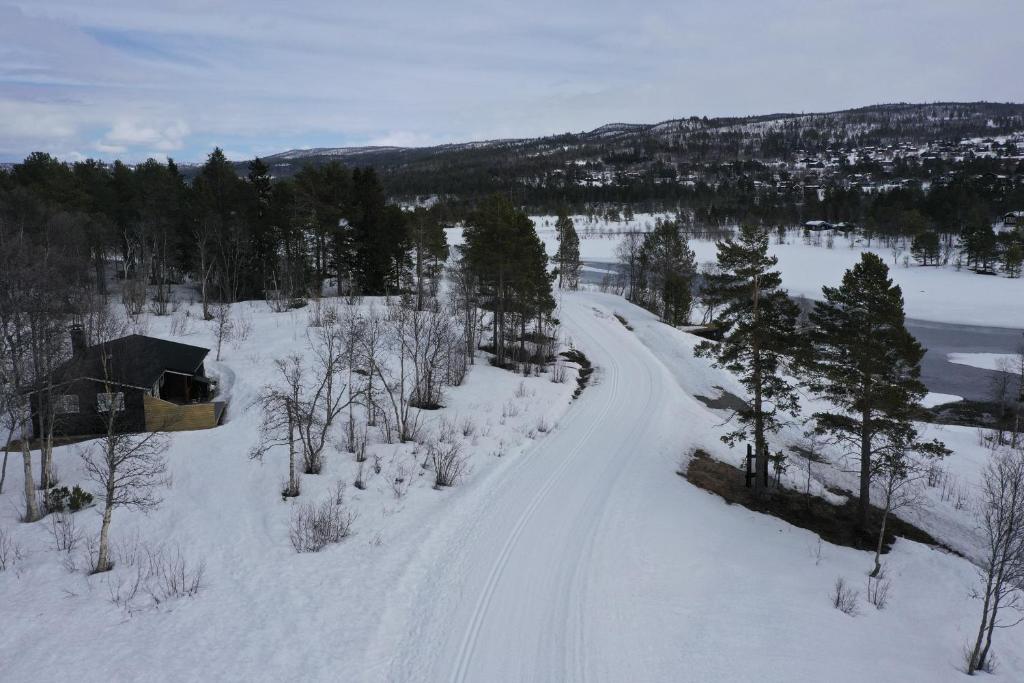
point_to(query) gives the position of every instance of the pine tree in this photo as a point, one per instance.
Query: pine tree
(507, 260)
(759, 322)
(568, 256)
(669, 267)
(1013, 257)
(865, 363)
(429, 251)
(979, 246)
(925, 248)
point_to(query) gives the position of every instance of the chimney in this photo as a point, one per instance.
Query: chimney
(78, 345)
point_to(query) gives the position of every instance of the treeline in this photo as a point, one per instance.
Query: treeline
(234, 238)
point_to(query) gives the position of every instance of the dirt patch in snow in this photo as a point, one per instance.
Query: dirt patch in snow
(834, 523)
(725, 401)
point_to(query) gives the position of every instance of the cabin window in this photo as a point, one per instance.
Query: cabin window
(104, 400)
(68, 403)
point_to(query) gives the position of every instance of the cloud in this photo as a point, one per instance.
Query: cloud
(128, 133)
(124, 78)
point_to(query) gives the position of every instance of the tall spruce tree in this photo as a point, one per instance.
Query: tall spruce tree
(865, 363)
(759, 340)
(670, 265)
(568, 256)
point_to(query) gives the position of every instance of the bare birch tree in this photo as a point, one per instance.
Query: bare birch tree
(279, 423)
(1001, 518)
(898, 479)
(128, 469)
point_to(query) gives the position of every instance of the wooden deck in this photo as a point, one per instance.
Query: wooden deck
(164, 416)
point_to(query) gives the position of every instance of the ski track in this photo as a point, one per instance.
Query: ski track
(510, 607)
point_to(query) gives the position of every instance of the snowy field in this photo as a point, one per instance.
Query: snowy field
(939, 294)
(571, 552)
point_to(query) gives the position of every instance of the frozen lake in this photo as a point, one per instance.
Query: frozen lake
(940, 339)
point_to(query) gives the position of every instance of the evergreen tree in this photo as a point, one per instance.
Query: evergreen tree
(429, 252)
(1013, 257)
(925, 248)
(259, 205)
(979, 246)
(568, 256)
(759, 323)
(865, 363)
(669, 266)
(506, 259)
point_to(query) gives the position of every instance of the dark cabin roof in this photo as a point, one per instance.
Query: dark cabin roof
(135, 360)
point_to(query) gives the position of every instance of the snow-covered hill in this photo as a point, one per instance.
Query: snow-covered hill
(572, 551)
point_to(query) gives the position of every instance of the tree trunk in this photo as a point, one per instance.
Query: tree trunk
(881, 539)
(974, 664)
(31, 504)
(997, 591)
(292, 485)
(419, 272)
(864, 503)
(103, 558)
(760, 442)
(7, 452)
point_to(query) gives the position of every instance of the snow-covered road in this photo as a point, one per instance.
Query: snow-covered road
(530, 581)
(587, 559)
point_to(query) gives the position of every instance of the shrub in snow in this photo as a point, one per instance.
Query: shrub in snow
(314, 526)
(558, 372)
(467, 427)
(878, 590)
(149, 576)
(64, 532)
(844, 598)
(449, 463)
(62, 498)
(401, 480)
(79, 499)
(56, 499)
(10, 551)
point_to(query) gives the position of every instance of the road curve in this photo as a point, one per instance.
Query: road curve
(521, 591)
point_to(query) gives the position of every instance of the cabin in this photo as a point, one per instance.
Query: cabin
(1013, 218)
(151, 384)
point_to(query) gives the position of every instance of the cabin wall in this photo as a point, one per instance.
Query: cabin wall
(88, 420)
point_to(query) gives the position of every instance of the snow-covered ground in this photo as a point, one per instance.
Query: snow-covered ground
(986, 361)
(933, 399)
(570, 553)
(939, 294)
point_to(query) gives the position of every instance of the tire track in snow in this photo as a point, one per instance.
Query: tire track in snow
(470, 638)
(590, 520)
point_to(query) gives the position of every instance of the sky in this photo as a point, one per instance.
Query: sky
(133, 79)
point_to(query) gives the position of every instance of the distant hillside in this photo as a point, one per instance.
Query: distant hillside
(472, 168)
